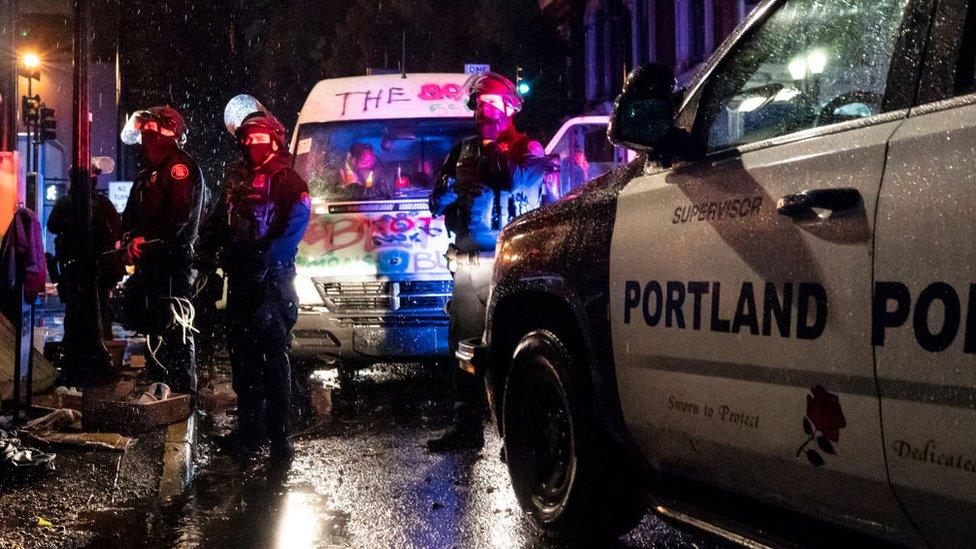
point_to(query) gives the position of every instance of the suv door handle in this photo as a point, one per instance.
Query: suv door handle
(803, 203)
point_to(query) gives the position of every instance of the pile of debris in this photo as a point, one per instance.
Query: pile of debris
(107, 418)
(16, 459)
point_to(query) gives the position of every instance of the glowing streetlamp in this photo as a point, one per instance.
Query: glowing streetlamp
(30, 68)
(31, 60)
(30, 63)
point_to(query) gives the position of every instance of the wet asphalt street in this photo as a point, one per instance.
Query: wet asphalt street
(361, 478)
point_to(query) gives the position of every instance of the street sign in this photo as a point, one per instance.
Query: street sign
(476, 68)
(118, 193)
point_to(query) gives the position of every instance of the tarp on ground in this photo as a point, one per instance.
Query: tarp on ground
(44, 372)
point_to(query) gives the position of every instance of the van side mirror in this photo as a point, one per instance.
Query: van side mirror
(643, 113)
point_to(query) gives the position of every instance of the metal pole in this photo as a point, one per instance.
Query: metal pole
(87, 352)
(27, 122)
(8, 74)
(35, 143)
(32, 157)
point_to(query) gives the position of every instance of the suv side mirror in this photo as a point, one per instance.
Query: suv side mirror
(644, 111)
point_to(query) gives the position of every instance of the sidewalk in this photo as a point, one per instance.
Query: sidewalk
(65, 506)
(84, 485)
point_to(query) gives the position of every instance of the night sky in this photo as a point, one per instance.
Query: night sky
(196, 55)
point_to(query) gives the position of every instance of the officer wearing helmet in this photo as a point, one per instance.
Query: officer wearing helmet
(261, 215)
(487, 181)
(160, 223)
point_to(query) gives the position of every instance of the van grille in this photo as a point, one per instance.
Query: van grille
(420, 296)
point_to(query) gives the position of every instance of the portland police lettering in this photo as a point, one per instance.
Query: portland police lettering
(717, 211)
(935, 326)
(788, 309)
(939, 315)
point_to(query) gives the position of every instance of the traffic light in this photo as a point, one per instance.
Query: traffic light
(522, 85)
(48, 124)
(28, 109)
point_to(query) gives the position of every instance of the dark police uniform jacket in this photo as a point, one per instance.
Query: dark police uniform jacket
(494, 183)
(259, 219)
(166, 203)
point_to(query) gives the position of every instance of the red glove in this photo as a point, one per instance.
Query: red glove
(135, 248)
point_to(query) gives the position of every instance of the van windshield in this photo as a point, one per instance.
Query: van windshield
(584, 154)
(376, 160)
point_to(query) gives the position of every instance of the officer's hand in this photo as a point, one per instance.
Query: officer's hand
(135, 247)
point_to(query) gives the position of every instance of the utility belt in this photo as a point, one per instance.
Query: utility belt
(456, 258)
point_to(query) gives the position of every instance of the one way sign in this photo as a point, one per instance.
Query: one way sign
(476, 68)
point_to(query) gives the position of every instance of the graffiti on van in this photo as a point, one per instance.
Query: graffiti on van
(379, 243)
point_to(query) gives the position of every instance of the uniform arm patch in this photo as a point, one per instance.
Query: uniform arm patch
(179, 172)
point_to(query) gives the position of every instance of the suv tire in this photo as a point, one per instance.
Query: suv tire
(563, 475)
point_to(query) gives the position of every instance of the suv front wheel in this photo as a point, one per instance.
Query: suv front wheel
(567, 485)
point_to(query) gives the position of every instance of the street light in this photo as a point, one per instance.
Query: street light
(30, 63)
(31, 60)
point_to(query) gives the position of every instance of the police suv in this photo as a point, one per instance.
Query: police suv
(774, 308)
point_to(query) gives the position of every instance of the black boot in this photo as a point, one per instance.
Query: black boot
(282, 450)
(460, 437)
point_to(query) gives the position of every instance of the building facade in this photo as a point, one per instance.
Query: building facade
(609, 38)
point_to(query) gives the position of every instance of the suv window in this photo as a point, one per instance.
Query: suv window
(952, 55)
(966, 66)
(812, 63)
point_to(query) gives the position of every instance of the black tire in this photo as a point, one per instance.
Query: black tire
(571, 487)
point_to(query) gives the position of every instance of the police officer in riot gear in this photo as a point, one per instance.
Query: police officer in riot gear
(487, 181)
(263, 208)
(160, 224)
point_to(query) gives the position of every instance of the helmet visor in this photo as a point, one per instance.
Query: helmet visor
(239, 108)
(132, 131)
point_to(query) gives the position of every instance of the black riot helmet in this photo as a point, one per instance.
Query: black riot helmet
(169, 120)
(492, 83)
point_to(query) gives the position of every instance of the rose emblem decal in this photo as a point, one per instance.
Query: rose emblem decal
(822, 424)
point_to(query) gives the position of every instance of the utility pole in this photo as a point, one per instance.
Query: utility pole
(84, 351)
(8, 75)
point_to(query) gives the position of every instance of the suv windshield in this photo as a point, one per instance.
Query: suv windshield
(376, 160)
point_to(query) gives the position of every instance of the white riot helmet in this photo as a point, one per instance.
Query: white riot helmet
(243, 110)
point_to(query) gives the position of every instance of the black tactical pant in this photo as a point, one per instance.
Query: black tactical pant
(260, 315)
(472, 279)
(172, 354)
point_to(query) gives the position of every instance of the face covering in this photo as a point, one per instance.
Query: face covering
(155, 147)
(257, 148)
(491, 117)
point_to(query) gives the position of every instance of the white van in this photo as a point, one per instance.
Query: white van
(584, 151)
(372, 278)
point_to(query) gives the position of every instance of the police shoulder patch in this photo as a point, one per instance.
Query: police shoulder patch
(179, 171)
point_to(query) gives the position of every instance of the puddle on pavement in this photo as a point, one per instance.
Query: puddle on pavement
(362, 480)
(226, 506)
